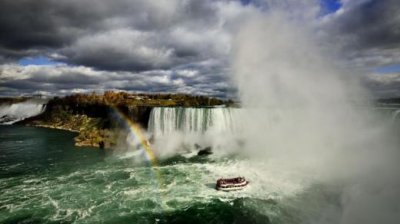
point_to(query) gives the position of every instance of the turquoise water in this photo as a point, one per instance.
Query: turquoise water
(45, 179)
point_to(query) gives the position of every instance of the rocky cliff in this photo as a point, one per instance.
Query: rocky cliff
(93, 116)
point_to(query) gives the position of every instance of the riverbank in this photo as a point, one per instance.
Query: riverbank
(90, 131)
(94, 116)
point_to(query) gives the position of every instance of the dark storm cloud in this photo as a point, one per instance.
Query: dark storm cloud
(368, 34)
(113, 35)
(22, 27)
(50, 79)
(120, 50)
(64, 79)
(138, 45)
(375, 24)
(26, 25)
(178, 36)
(368, 30)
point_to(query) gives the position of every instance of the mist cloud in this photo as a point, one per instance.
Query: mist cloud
(301, 119)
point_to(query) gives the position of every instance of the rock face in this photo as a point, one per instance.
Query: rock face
(138, 114)
(94, 116)
(94, 122)
(205, 152)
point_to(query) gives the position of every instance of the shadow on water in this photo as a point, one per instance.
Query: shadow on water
(29, 150)
(179, 159)
(215, 211)
(238, 211)
(24, 218)
(210, 185)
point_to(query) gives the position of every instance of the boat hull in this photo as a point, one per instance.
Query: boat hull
(232, 187)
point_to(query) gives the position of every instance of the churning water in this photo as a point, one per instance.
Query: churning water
(45, 179)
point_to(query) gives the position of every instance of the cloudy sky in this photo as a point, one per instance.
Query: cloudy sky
(60, 47)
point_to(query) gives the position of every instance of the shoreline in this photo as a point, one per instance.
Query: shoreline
(53, 127)
(92, 116)
(94, 138)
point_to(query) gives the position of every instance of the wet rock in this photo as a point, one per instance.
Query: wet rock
(205, 152)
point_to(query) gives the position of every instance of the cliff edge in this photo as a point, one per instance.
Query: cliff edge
(93, 116)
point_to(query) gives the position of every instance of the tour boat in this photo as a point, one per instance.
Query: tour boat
(231, 184)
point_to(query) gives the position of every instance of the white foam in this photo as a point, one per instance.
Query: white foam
(10, 114)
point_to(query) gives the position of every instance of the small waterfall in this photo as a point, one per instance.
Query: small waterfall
(395, 114)
(11, 113)
(166, 120)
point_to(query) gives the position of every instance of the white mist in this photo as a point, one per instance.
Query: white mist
(12, 113)
(302, 117)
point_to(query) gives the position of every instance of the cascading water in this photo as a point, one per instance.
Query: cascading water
(9, 114)
(395, 114)
(167, 120)
(177, 128)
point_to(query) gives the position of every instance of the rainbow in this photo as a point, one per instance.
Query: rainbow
(150, 156)
(137, 131)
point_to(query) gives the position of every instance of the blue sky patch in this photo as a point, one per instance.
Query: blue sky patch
(330, 6)
(388, 69)
(38, 60)
(245, 2)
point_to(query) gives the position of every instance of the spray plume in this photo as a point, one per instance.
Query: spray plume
(302, 116)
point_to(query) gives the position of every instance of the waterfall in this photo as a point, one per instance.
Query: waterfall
(11, 113)
(388, 114)
(395, 114)
(167, 120)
